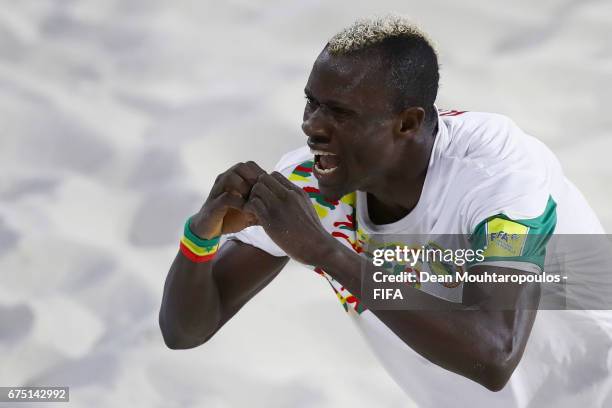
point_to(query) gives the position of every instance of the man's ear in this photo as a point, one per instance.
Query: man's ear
(409, 121)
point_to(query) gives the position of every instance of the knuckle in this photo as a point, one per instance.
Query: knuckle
(233, 178)
(234, 167)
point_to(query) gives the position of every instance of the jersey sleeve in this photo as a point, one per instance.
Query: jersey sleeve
(255, 235)
(506, 185)
(515, 243)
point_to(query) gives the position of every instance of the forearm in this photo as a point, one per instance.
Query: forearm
(477, 344)
(483, 339)
(201, 294)
(467, 342)
(191, 311)
(347, 267)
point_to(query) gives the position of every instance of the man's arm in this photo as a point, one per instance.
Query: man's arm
(200, 297)
(484, 345)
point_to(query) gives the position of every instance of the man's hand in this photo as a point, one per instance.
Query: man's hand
(222, 213)
(285, 212)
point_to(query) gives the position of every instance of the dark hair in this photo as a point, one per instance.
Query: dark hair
(413, 72)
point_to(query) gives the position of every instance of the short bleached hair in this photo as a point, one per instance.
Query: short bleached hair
(405, 54)
(366, 32)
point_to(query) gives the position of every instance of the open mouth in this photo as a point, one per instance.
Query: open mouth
(325, 163)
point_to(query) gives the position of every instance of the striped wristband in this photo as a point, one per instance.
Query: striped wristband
(197, 249)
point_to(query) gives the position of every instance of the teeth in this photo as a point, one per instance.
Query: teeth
(324, 171)
(321, 153)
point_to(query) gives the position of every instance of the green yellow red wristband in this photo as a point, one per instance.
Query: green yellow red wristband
(197, 249)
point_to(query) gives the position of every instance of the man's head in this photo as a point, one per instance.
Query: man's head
(370, 99)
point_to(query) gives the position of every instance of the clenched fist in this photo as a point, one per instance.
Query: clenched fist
(222, 213)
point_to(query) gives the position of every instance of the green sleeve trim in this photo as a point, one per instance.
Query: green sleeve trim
(504, 239)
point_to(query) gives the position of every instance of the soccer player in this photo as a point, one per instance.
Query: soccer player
(382, 159)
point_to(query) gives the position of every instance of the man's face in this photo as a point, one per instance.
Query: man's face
(349, 123)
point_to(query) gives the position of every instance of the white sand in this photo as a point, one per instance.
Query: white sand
(117, 115)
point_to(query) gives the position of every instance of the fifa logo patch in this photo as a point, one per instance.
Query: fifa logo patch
(505, 238)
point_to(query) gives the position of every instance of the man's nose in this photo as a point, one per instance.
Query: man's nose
(316, 127)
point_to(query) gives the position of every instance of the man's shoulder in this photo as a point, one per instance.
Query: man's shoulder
(454, 115)
(498, 168)
(486, 139)
(476, 122)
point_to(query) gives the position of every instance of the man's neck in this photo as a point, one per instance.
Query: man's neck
(389, 208)
(392, 200)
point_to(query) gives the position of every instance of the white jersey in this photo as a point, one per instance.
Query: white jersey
(484, 174)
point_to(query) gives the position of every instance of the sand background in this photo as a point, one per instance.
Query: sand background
(115, 117)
